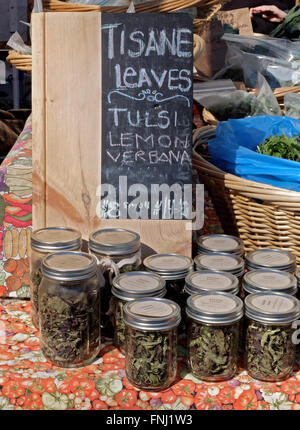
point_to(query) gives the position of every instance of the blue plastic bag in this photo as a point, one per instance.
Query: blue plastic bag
(234, 150)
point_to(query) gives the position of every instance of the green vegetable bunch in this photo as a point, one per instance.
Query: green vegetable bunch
(281, 146)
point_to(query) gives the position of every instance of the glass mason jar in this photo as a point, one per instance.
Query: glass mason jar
(43, 242)
(210, 281)
(265, 280)
(268, 258)
(119, 248)
(151, 342)
(127, 287)
(213, 334)
(212, 243)
(229, 263)
(173, 268)
(69, 304)
(270, 351)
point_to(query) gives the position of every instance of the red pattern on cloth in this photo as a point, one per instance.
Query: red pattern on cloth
(29, 382)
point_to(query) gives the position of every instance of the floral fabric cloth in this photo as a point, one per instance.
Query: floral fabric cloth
(29, 382)
(16, 216)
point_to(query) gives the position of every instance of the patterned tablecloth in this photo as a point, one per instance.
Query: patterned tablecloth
(16, 216)
(29, 381)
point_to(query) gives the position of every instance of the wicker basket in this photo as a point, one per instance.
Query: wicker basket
(263, 216)
(149, 6)
(20, 61)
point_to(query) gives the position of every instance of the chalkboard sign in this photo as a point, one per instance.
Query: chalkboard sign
(147, 66)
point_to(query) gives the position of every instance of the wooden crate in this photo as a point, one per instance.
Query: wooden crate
(66, 92)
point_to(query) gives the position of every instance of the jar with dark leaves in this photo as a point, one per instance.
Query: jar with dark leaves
(270, 335)
(47, 241)
(213, 334)
(69, 304)
(151, 342)
(118, 251)
(127, 287)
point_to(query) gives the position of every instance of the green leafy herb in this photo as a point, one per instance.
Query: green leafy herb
(270, 351)
(281, 146)
(213, 350)
(70, 323)
(151, 358)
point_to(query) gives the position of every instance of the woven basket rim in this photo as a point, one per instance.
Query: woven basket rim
(13, 54)
(149, 6)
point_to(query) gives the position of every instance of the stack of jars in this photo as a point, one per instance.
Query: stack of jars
(147, 305)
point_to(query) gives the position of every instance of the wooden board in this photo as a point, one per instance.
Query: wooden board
(67, 133)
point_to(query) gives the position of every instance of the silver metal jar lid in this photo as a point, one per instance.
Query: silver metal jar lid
(210, 280)
(271, 259)
(52, 239)
(272, 307)
(220, 261)
(214, 308)
(220, 243)
(135, 285)
(264, 280)
(114, 241)
(152, 314)
(169, 266)
(69, 266)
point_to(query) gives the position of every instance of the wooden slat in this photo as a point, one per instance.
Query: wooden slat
(73, 126)
(38, 121)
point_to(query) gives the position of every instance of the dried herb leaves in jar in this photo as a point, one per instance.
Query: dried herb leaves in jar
(270, 351)
(213, 334)
(151, 342)
(46, 241)
(127, 287)
(69, 303)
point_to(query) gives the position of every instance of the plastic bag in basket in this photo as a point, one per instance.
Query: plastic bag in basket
(234, 150)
